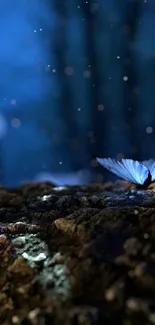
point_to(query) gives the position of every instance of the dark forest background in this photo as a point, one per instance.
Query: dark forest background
(77, 80)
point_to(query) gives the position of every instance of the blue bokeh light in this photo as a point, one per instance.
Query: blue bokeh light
(77, 80)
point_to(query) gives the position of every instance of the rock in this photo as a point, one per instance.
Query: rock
(77, 255)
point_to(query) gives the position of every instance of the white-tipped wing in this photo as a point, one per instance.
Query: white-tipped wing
(150, 164)
(130, 170)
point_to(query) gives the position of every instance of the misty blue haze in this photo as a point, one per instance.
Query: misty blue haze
(50, 124)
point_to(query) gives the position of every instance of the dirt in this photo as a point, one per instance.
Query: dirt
(77, 255)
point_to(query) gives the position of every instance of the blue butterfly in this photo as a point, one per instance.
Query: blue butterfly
(140, 173)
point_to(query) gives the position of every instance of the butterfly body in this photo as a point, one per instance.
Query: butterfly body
(148, 181)
(140, 173)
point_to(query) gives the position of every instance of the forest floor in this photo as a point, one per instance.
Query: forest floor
(77, 255)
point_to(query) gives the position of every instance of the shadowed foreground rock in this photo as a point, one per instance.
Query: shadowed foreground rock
(77, 255)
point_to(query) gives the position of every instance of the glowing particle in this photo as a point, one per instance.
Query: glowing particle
(149, 129)
(60, 162)
(13, 102)
(78, 7)
(54, 70)
(79, 109)
(109, 78)
(118, 57)
(40, 29)
(15, 123)
(125, 78)
(100, 107)
(35, 31)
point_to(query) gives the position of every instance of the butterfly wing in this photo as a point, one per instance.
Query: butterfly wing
(130, 170)
(150, 164)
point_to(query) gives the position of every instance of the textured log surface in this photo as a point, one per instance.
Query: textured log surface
(77, 255)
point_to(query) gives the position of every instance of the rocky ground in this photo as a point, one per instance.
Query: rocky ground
(77, 255)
